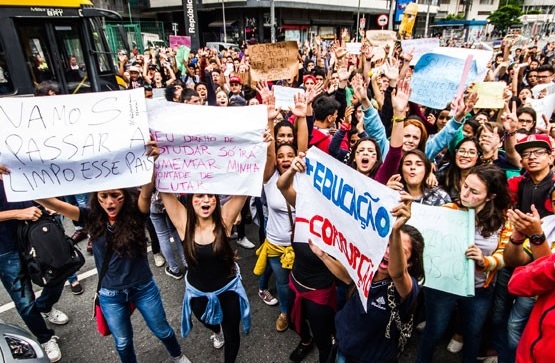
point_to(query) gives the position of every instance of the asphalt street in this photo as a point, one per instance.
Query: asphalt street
(80, 342)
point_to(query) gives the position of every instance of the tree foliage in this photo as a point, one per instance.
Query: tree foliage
(505, 16)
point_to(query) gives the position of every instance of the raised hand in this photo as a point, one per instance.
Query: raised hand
(300, 105)
(400, 98)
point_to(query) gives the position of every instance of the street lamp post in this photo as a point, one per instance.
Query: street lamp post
(272, 22)
(358, 22)
(223, 22)
(427, 20)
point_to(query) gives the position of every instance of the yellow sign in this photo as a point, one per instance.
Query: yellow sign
(490, 94)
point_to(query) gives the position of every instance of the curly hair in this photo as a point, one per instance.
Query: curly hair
(221, 244)
(129, 236)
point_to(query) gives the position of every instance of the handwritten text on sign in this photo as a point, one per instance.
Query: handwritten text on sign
(436, 79)
(203, 149)
(273, 61)
(64, 145)
(447, 233)
(346, 214)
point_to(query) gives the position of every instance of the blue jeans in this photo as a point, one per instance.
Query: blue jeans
(21, 293)
(439, 308)
(502, 305)
(282, 282)
(147, 299)
(518, 318)
(164, 230)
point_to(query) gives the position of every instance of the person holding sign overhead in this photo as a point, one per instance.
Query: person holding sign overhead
(213, 291)
(115, 221)
(276, 251)
(312, 291)
(485, 191)
(378, 332)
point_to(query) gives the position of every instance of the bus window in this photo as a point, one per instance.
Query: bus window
(37, 53)
(6, 85)
(71, 52)
(98, 45)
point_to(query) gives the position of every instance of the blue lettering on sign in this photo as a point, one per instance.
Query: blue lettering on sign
(359, 206)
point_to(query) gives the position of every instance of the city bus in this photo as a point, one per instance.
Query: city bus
(57, 41)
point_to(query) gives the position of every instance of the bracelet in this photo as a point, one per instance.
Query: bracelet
(396, 119)
(518, 243)
(365, 109)
(509, 134)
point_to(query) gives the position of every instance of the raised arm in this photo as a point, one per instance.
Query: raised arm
(176, 211)
(231, 210)
(398, 268)
(335, 267)
(285, 181)
(67, 210)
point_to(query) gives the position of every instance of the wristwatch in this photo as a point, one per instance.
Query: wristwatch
(537, 239)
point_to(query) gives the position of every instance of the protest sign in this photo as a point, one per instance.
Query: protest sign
(177, 40)
(181, 58)
(215, 150)
(542, 106)
(284, 96)
(346, 214)
(381, 38)
(490, 94)
(542, 90)
(481, 58)
(436, 79)
(71, 144)
(447, 234)
(353, 48)
(273, 61)
(419, 47)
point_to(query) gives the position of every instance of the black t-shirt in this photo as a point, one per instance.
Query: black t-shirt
(361, 334)
(211, 272)
(123, 271)
(308, 269)
(8, 229)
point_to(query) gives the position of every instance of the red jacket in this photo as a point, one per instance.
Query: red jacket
(537, 344)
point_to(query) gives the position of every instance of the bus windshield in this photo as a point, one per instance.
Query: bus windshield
(65, 46)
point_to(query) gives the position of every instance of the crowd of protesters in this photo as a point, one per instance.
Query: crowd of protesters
(356, 108)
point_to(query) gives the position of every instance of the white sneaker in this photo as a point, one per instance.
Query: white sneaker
(159, 260)
(181, 359)
(267, 297)
(52, 349)
(454, 346)
(245, 243)
(218, 340)
(55, 316)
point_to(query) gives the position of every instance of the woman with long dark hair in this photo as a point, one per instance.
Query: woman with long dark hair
(115, 221)
(485, 191)
(213, 290)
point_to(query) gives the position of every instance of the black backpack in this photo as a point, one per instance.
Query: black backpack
(48, 255)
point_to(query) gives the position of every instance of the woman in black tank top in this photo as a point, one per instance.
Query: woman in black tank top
(204, 228)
